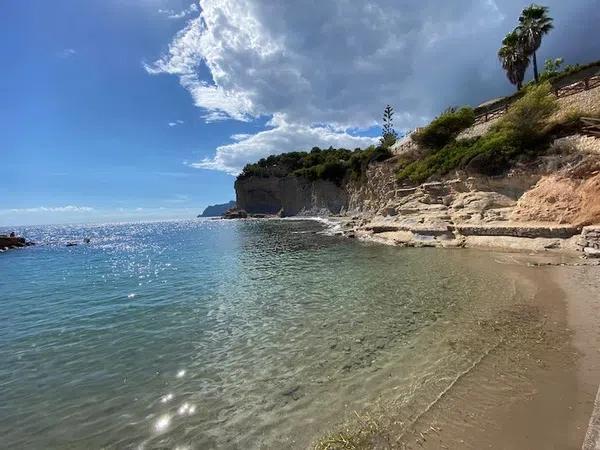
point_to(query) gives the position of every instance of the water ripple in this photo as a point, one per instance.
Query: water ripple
(221, 334)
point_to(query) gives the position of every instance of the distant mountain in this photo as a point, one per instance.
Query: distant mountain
(217, 210)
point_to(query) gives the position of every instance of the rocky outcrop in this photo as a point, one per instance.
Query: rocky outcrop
(570, 196)
(217, 210)
(539, 205)
(8, 242)
(235, 213)
(590, 241)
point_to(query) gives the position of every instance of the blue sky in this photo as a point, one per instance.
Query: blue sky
(145, 109)
(83, 124)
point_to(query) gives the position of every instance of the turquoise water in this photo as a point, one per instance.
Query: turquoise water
(225, 334)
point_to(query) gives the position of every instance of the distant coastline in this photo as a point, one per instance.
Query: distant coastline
(218, 209)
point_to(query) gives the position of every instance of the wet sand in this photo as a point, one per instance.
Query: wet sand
(534, 394)
(534, 390)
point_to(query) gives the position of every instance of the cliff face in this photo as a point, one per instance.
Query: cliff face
(290, 196)
(377, 194)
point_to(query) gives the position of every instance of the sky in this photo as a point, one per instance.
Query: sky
(117, 110)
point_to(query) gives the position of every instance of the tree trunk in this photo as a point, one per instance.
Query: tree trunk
(535, 71)
(519, 85)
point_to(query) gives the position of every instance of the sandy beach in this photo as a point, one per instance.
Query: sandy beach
(535, 389)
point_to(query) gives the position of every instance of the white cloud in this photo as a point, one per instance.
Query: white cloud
(178, 198)
(338, 63)
(172, 14)
(177, 122)
(67, 53)
(54, 209)
(231, 158)
(334, 65)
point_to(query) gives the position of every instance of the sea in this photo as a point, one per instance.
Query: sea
(231, 334)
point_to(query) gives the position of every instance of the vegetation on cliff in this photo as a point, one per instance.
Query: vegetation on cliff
(522, 133)
(444, 128)
(331, 164)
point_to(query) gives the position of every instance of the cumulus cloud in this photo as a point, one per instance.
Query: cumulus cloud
(334, 65)
(172, 14)
(231, 158)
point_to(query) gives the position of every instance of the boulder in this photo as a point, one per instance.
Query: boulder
(13, 242)
(235, 213)
(389, 211)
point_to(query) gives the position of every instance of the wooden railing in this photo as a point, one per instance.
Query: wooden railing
(587, 79)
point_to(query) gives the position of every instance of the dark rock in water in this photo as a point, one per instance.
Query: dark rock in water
(217, 210)
(12, 241)
(71, 244)
(235, 213)
(86, 240)
(294, 392)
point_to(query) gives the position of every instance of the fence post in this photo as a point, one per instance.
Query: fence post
(586, 83)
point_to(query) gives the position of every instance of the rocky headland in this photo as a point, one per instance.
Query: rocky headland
(549, 201)
(217, 210)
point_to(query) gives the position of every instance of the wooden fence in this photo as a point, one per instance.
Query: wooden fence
(588, 78)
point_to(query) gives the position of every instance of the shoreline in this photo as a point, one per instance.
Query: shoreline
(556, 411)
(521, 237)
(560, 250)
(535, 390)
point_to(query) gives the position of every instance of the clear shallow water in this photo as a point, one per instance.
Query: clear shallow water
(227, 334)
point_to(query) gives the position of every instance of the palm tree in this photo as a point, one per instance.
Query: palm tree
(534, 23)
(513, 58)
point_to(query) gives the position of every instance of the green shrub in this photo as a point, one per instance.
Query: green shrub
(359, 161)
(519, 134)
(443, 129)
(491, 152)
(527, 116)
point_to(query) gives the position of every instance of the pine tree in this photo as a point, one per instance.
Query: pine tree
(388, 135)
